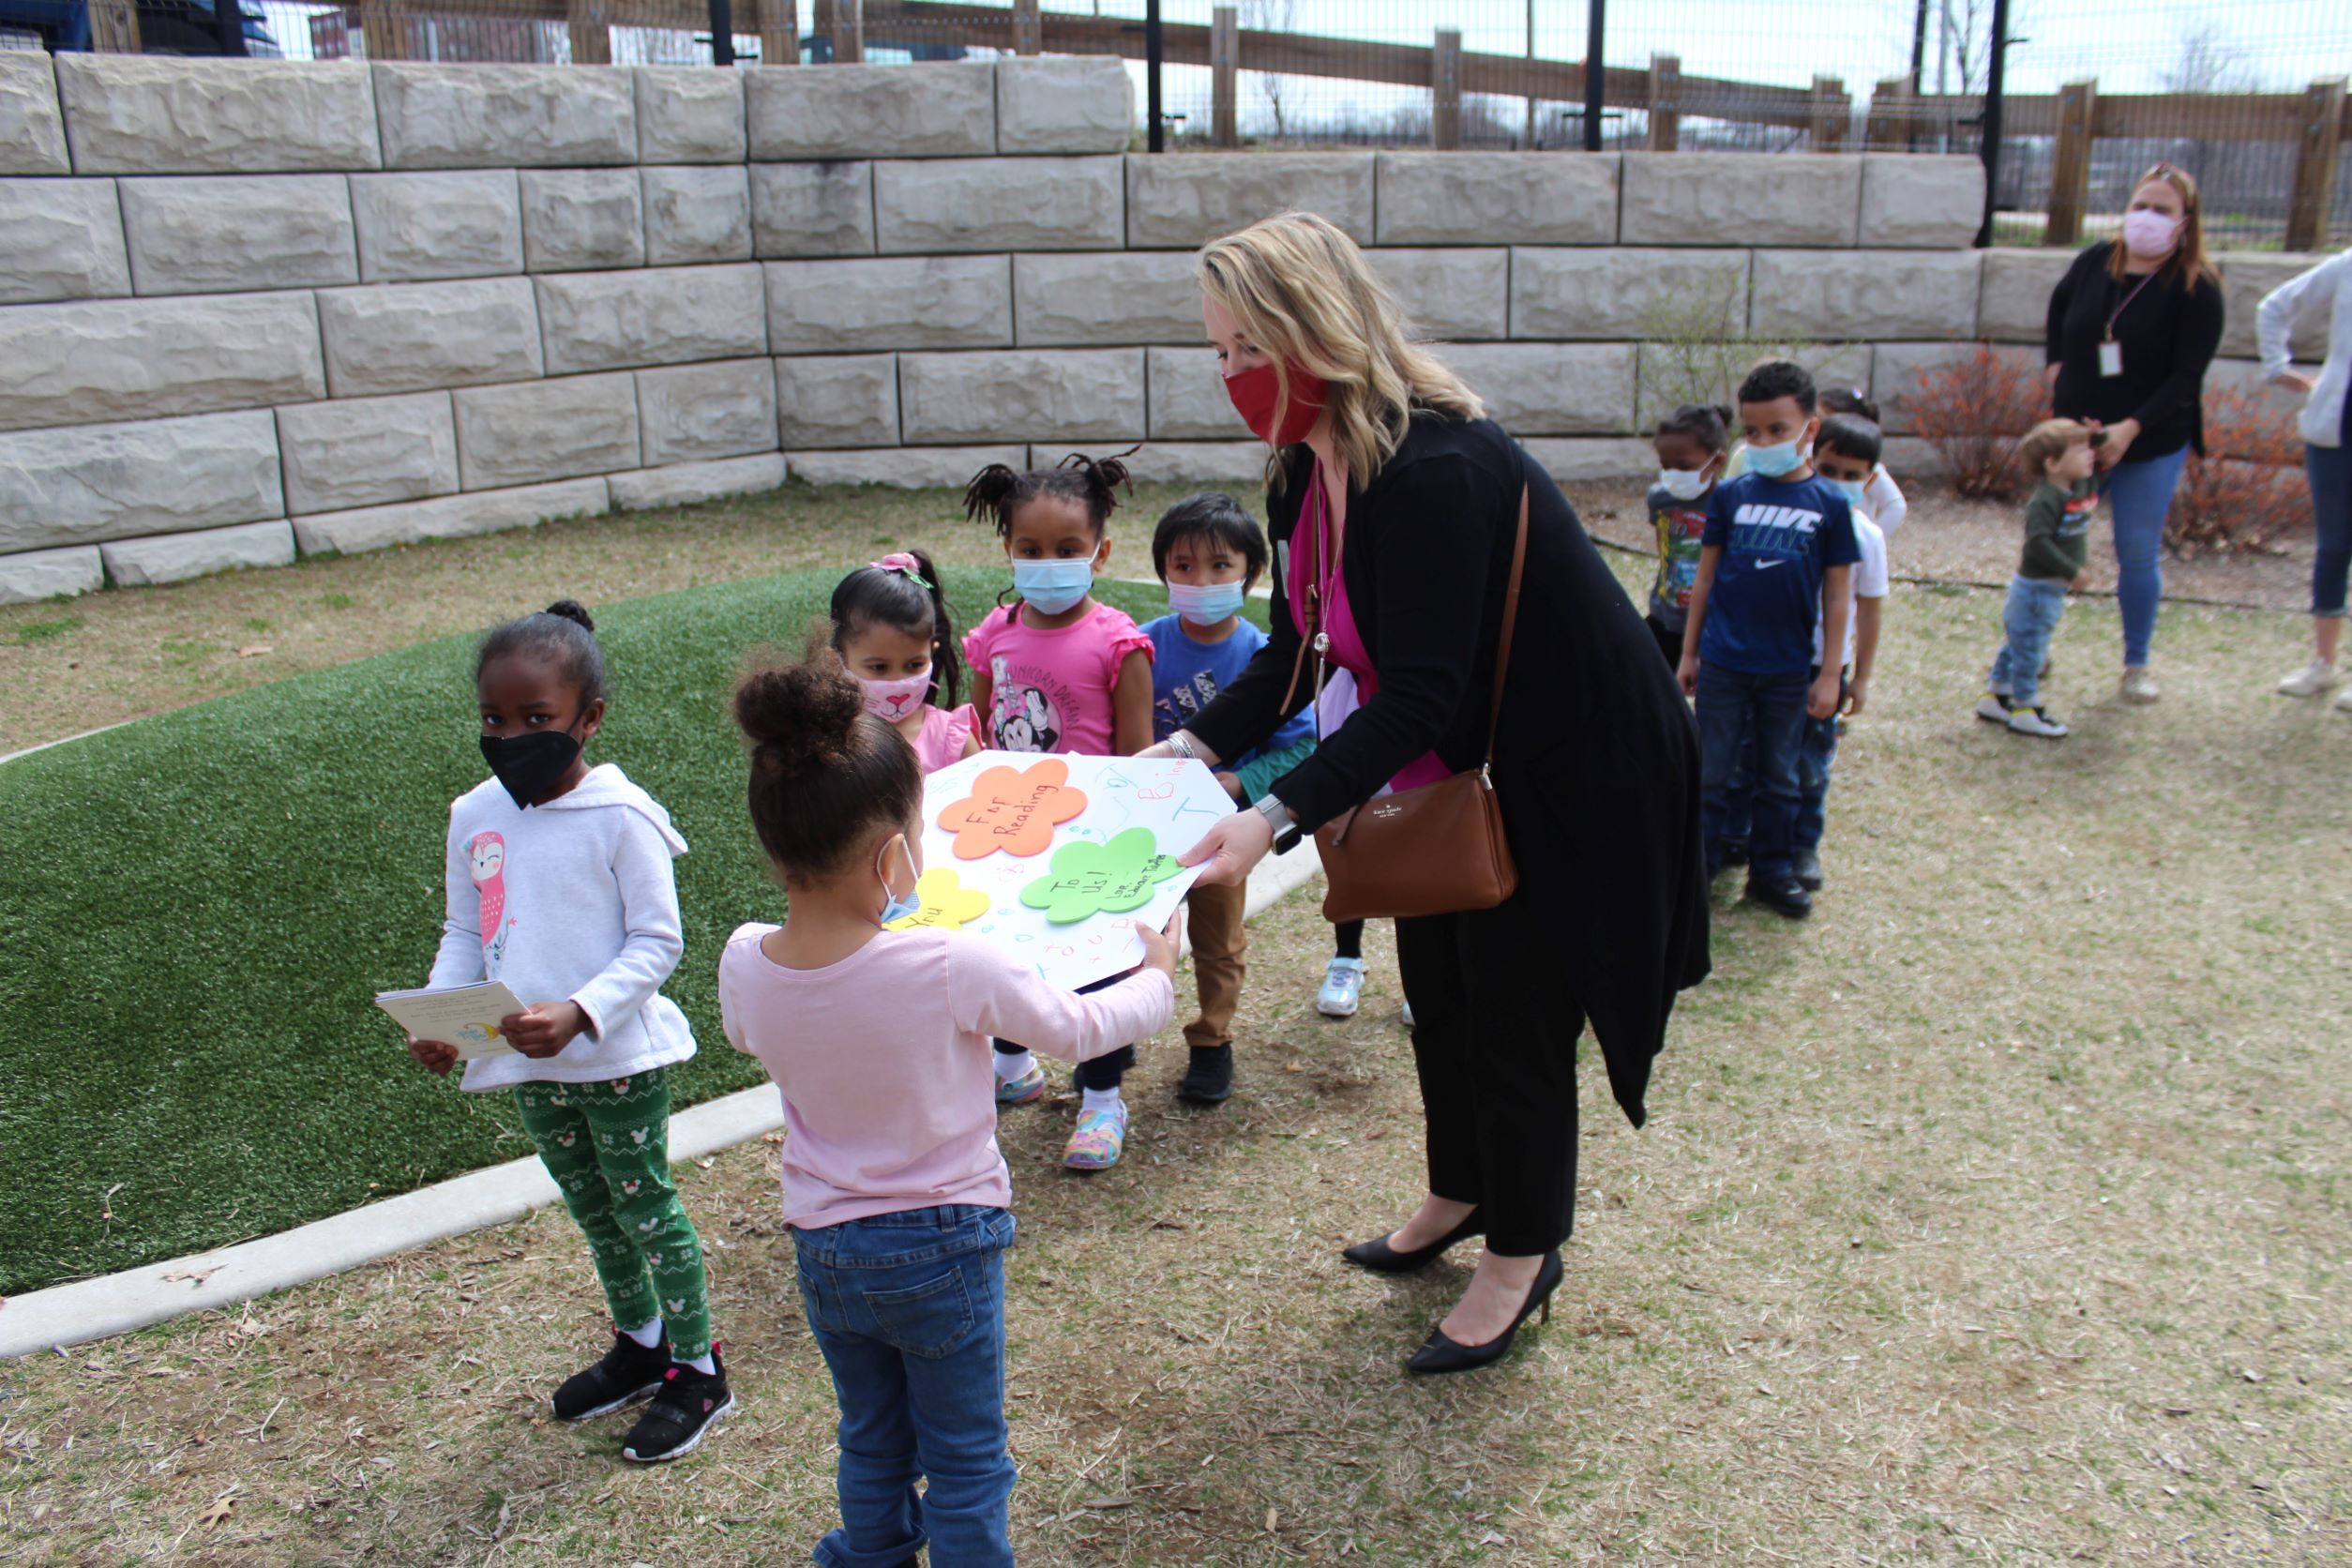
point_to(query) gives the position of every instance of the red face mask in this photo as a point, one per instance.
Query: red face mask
(1255, 392)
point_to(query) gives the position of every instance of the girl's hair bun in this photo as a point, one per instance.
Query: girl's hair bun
(572, 609)
(801, 714)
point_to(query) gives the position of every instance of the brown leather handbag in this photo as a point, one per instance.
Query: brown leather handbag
(1438, 850)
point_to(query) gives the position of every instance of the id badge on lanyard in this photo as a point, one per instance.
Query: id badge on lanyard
(2110, 357)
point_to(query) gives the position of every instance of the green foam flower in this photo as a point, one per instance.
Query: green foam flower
(1100, 879)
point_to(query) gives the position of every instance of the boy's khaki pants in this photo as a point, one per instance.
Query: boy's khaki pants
(1213, 921)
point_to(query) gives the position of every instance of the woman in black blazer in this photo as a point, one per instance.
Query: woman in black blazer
(2131, 328)
(1377, 445)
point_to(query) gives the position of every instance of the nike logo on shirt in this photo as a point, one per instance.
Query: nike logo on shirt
(1768, 565)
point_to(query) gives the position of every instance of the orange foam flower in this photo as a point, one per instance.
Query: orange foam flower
(1013, 809)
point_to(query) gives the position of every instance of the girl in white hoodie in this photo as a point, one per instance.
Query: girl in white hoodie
(559, 883)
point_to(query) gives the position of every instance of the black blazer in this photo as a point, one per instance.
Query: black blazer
(1596, 758)
(2168, 335)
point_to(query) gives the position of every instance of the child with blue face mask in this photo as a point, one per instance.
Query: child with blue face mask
(1211, 552)
(1058, 671)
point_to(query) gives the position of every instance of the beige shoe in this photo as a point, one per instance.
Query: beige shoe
(2310, 681)
(2344, 700)
(2139, 685)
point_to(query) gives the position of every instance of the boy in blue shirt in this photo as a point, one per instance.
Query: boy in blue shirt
(1210, 552)
(1772, 569)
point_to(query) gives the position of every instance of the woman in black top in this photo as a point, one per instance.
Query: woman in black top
(2132, 327)
(1380, 447)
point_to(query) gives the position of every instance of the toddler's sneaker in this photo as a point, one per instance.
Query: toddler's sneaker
(1097, 1141)
(628, 1372)
(691, 1403)
(1993, 707)
(2139, 686)
(1207, 1079)
(1343, 989)
(2310, 681)
(2344, 700)
(1020, 1090)
(2033, 721)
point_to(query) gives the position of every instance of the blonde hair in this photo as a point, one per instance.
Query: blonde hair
(2187, 265)
(1303, 292)
(2049, 441)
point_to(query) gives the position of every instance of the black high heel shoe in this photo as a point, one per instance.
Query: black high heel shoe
(1381, 1257)
(1441, 1354)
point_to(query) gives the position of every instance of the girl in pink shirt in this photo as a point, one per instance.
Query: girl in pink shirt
(1058, 671)
(897, 1199)
(890, 625)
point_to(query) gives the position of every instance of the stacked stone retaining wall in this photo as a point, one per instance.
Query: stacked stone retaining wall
(253, 309)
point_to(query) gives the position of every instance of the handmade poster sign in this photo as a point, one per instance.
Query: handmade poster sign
(1052, 858)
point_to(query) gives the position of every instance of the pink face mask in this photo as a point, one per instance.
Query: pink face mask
(2149, 235)
(892, 701)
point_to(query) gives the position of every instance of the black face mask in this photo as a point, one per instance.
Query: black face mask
(528, 764)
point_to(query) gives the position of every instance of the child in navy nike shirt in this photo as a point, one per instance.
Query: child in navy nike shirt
(1773, 567)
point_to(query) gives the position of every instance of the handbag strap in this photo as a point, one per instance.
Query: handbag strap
(1510, 623)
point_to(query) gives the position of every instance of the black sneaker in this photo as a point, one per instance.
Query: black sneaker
(1808, 871)
(690, 1404)
(628, 1372)
(1207, 1081)
(1735, 851)
(1787, 898)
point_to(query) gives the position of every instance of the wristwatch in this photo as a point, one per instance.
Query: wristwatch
(1286, 828)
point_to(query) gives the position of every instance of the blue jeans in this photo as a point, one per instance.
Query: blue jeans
(1817, 753)
(2139, 494)
(2331, 472)
(1774, 707)
(908, 1310)
(2027, 619)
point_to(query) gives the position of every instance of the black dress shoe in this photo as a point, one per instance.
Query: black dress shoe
(1439, 1354)
(1207, 1079)
(1381, 1257)
(1783, 896)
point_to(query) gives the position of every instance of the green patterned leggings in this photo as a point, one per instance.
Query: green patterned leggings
(607, 1144)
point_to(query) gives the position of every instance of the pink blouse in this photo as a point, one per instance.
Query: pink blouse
(1312, 562)
(943, 737)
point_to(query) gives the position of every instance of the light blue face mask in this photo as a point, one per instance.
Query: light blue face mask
(895, 908)
(1208, 603)
(1774, 462)
(1054, 586)
(1850, 489)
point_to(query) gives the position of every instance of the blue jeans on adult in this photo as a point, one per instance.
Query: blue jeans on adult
(909, 1311)
(2139, 496)
(2028, 620)
(1774, 707)
(2331, 472)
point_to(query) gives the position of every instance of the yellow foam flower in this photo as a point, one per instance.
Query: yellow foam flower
(946, 902)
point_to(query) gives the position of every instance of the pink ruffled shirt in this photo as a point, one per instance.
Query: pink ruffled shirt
(1313, 564)
(1051, 691)
(885, 1066)
(943, 736)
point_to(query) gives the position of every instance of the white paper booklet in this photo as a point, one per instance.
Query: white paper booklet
(464, 1015)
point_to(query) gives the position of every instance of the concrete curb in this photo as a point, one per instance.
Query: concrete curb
(117, 1303)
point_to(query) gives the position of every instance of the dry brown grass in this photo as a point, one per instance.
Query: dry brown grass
(1999, 1214)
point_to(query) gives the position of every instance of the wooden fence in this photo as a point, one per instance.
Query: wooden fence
(2315, 122)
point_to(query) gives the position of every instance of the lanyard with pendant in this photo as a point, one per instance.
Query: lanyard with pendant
(2111, 352)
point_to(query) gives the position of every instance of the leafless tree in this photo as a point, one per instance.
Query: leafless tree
(1272, 16)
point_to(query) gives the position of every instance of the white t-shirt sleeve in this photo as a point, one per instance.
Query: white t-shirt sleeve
(1884, 498)
(1870, 572)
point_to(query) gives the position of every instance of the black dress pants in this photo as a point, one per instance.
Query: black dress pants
(1495, 1044)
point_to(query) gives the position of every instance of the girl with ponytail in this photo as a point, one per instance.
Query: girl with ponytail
(876, 1031)
(1058, 671)
(891, 627)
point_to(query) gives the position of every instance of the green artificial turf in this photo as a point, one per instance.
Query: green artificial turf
(197, 908)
